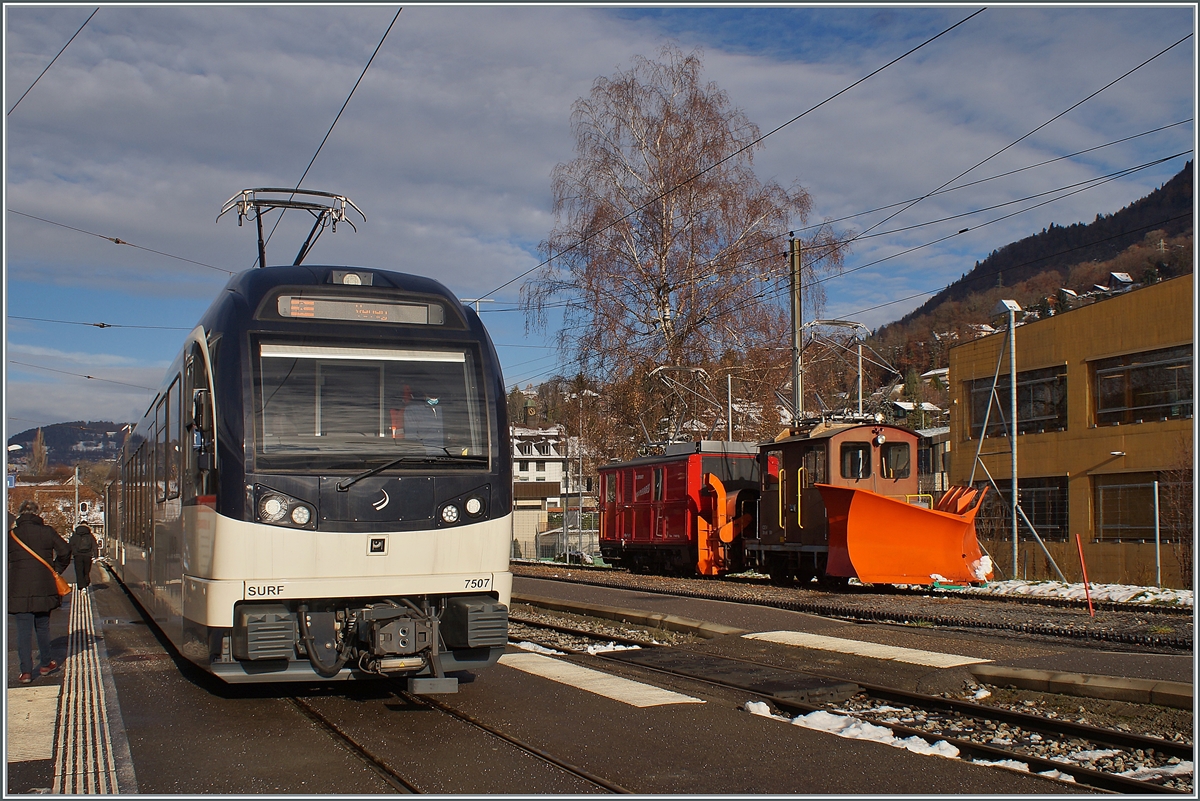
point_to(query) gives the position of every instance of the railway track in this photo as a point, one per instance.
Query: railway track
(405, 784)
(1090, 756)
(1129, 625)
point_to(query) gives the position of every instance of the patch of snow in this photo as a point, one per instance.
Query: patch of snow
(612, 646)
(856, 729)
(1056, 774)
(1011, 764)
(1182, 769)
(983, 568)
(981, 693)
(539, 649)
(1091, 756)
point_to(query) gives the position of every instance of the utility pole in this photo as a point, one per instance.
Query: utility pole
(78, 519)
(797, 366)
(729, 406)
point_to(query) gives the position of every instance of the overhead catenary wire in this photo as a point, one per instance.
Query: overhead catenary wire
(929, 194)
(51, 64)
(715, 164)
(1020, 139)
(996, 177)
(100, 325)
(80, 375)
(325, 139)
(982, 274)
(1078, 187)
(117, 241)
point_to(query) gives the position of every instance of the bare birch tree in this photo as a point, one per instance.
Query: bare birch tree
(667, 250)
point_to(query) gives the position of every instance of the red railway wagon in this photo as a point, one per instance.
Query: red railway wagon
(656, 511)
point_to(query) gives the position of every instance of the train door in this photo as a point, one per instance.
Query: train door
(895, 470)
(643, 504)
(813, 469)
(770, 505)
(608, 507)
(198, 482)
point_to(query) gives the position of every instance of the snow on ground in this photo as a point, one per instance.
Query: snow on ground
(856, 729)
(538, 649)
(611, 646)
(1121, 593)
(1182, 769)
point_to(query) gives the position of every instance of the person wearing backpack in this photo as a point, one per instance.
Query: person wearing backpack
(32, 591)
(83, 551)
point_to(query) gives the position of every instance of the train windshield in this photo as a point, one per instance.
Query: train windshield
(349, 408)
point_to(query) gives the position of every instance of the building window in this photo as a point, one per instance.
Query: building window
(1124, 506)
(1041, 402)
(1043, 500)
(543, 448)
(541, 467)
(523, 467)
(1153, 385)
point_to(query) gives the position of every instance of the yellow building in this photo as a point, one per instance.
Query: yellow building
(1104, 411)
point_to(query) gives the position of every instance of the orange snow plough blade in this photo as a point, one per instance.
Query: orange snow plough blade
(882, 540)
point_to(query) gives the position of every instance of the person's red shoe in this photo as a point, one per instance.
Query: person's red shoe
(25, 678)
(48, 669)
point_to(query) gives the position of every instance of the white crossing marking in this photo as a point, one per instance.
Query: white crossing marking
(869, 649)
(31, 716)
(624, 690)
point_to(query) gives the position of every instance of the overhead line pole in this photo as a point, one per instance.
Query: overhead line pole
(797, 366)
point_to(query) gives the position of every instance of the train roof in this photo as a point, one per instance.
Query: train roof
(828, 430)
(705, 447)
(257, 281)
(255, 286)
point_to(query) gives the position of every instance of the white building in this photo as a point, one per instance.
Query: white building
(539, 461)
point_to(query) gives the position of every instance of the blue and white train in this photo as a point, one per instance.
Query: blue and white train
(322, 487)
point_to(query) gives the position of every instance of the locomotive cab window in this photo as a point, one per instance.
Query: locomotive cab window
(894, 460)
(331, 407)
(856, 460)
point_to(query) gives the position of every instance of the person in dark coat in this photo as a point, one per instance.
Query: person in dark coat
(32, 594)
(83, 551)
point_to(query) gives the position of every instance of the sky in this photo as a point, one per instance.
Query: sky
(154, 116)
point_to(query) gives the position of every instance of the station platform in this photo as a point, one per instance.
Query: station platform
(64, 732)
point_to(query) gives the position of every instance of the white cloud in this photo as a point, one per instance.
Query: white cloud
(155, 115)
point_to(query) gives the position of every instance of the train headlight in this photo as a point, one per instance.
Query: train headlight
(473, 506)
(280, 509)
(272, 508)
(450, 513)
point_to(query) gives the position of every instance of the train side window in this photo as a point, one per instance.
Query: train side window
(856, 460)
(641, 486)
(658, 483)
(894, 460)
(610, 488)
(770, 476)
(174, 437)
(160, 451)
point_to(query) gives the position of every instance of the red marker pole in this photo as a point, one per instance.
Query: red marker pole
(1086, 590)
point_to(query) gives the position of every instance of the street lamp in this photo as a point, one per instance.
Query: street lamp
(1009, 308)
